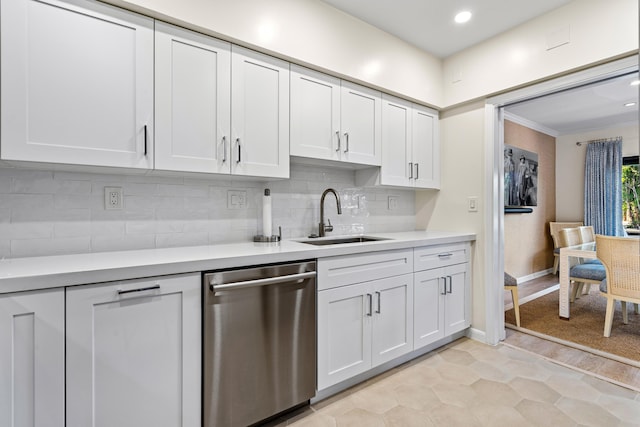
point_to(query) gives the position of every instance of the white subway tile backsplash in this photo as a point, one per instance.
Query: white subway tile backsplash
(58, 246)
(63, 212)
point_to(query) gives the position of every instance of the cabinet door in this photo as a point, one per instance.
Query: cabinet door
(457, 299)
(344, 333)
(426, 148)
(192, 101)
(397, 166)
(259, 115)
(133, 353)
(315, 114)
(32, 359)
(77, 84)
(428, 306)
(392, 330)
(361, 124)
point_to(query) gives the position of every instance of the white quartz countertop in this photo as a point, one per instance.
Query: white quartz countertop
(23, 274)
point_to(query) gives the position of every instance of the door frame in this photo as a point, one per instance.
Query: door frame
(494, 196)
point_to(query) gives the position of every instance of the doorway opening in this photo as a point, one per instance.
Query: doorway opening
(495, 145)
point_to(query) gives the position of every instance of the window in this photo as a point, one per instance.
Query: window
(631, 194)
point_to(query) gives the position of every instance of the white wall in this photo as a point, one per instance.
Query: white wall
(599, 30)
(312, 33)
(570, 167)
(46, 213)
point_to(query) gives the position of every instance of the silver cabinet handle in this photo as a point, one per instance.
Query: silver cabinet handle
(145, 140)
(346, 136)
(417, 171)
(239, 151)
(444, 285)
(370, 298)
(224, 149)
(130, 291)
(378, 310)
(338, 136)
(450, 285)
(215, 287)
(447, 255)
(410, 170)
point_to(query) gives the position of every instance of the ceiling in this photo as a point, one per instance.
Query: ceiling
(596, 106)
(429, 25)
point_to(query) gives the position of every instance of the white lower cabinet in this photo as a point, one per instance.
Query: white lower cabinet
(439, 303)
(133, 353)
(363, 325)
(442, 292)
(375, 307)
(32, 359)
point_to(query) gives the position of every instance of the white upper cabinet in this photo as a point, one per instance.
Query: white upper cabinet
(361, 124)
(397, 164)
(410, 147)
(77, 84)
(259, 114)
(192, 101)
(333, 119)
(315, 114)
(425, 147)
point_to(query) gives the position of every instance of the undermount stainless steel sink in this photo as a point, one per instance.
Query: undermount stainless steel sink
(342, 240)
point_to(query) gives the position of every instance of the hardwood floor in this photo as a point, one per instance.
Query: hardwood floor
(564, 353)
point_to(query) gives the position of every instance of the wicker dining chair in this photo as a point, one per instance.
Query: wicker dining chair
(580, 274)
(621, 259)
(554, 229)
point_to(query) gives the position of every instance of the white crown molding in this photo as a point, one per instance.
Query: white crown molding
(530, 124)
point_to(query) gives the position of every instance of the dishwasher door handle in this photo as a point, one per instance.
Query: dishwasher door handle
(214, 287)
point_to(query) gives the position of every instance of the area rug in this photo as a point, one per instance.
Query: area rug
(586, 325)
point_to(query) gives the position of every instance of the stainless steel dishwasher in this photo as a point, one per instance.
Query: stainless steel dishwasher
(259, 344)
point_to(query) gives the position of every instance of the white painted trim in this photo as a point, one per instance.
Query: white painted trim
(494, 147)
(531, 297)
(530, 124)
(534, 275)
(477, 335)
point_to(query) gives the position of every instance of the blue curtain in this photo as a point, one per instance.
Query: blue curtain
(603, 187)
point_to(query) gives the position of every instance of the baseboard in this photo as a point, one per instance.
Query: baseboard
(532, 276)
(477, 335)
(531, 297)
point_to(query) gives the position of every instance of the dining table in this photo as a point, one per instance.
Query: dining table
(585, 251)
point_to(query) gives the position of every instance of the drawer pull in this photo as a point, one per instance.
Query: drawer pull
(129, 291)
(445, 255)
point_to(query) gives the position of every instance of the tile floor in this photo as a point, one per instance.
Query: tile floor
(468, 383)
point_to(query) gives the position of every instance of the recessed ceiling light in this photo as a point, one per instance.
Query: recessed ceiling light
(635, 83)
(463, 17)
(629, 104)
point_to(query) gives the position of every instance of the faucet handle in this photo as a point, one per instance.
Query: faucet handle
(328, 227)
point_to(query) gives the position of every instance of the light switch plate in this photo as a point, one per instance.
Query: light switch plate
(473, 203)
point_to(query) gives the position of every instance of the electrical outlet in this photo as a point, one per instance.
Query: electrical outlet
(236, 199)
(113, 198)
(393, 203)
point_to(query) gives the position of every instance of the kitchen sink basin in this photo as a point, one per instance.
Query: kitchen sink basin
(342, 240)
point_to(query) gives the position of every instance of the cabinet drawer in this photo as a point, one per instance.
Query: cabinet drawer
(343, 270)
(428, 257)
